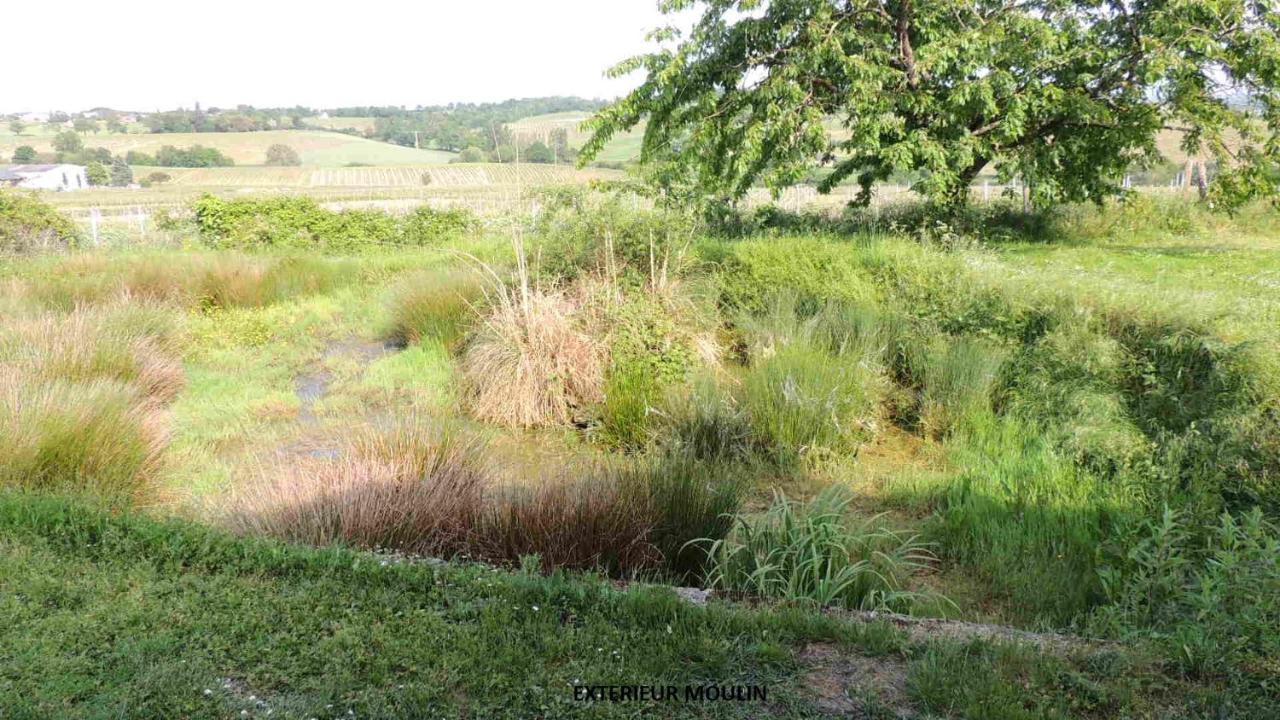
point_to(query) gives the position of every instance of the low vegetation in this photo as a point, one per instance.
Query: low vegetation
(862, 412)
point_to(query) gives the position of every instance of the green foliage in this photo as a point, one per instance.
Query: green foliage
(137, 157)
(97, 174)
(434, 305)
(24, 154)
(470, 154)
(815, 270)
(814, 551)
(612, 234)
(943, 90)
(806, 402)
(194, 156)
(67, 142)
(1211, 595)
(282, 155)
(300, 222)
(27, 224)
(121, 173)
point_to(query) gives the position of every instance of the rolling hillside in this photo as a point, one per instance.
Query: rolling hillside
(316, 147)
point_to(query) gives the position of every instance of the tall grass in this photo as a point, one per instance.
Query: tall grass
(435, 304)
(187, 279)
(423, 488)
(530, 364)
(92, 438)
(813, 551)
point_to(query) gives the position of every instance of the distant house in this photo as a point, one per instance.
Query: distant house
(44, 177)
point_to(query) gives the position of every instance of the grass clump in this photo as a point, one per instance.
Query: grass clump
(92, 438)
(529, 362)
(434, 305)
(812, 551)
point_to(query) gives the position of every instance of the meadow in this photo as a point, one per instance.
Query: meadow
(248, 442)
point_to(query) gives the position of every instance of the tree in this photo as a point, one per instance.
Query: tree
(471, 154)
(96, 173)
(538, 152)
(67, 142)
(115, 126)
(121, 173)
(280, 154)
(16, 126)
(1067, 94)
(24, 154)
(84, 125)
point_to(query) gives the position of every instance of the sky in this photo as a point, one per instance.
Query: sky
(148, 55)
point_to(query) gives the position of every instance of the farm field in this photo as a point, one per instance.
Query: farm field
(315, 147)
(624, 147)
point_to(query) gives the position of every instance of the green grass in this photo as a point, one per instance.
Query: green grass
(122, 615)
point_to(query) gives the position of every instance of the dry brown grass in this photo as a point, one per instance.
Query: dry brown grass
(415, 488)
(426, 489)
(127, 344)
(530, 363)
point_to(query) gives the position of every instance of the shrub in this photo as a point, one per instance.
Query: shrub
(279, 154)
(1210, 595)
(299, 222)
(470, 154)
(29, 225)
(24, 154)
(434, 304)
(192, 157)
(530, 364)
(613, 236)
(812, 551)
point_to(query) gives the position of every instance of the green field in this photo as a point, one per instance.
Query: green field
(622, 148)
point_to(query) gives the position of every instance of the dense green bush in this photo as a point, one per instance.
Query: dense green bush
(192, 157)
(300, 222)
(29, 225)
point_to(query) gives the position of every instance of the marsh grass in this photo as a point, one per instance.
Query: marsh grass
(814, 551)
(92, 438)
(435, 304)
(530, 363)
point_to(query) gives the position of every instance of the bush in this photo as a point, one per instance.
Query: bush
(30, 225)
(136, 157)
(470, 154)
(300, 222)
(193, 157)
(614, 236)
(24, 154)
(812, 551)
(816, 271)
(1210, 595)
(279, 154)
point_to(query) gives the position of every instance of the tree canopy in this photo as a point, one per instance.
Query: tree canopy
(1066, 94)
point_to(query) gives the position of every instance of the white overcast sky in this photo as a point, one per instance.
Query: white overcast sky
(160, 54)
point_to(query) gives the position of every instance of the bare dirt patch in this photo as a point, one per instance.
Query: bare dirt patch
(855, 686)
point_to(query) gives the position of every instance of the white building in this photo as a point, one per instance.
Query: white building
(44, 177)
